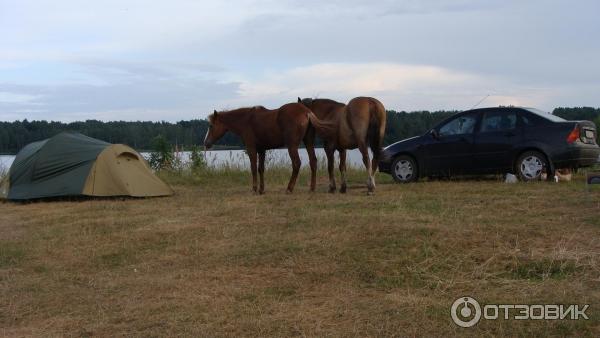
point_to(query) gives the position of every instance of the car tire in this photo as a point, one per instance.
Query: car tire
(530, 166)
(404, 169)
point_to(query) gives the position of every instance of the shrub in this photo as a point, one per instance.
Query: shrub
(161, 157)
(197, 159)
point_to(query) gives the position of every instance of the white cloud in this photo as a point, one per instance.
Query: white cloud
(15, 98)
(121, 90)
(399, 86)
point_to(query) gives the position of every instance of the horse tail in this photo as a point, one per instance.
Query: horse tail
(376, 130)
(325, 129)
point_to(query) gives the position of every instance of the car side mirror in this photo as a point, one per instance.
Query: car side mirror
(434, 133)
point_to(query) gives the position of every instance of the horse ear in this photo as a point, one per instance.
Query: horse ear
(215, 113)
(299, 99)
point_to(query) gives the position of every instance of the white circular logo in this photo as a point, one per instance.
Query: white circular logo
(465, 312)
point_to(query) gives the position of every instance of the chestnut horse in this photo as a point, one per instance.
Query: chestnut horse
(263, 129)
(360, 123)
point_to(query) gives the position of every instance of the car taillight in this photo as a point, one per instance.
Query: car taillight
(573, 135)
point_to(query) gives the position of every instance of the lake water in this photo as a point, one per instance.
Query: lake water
(239, 159)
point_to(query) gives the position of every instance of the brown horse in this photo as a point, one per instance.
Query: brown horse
(263, 129)
(360, 123)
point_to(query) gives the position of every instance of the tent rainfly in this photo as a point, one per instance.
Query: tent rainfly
(72, 164)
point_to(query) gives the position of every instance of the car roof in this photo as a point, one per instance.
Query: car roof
(484, 109)
(497, 108)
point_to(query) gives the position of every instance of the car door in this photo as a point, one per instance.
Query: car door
(449, 152)
(495, 140)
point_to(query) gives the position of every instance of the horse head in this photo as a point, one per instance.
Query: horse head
(307, 102)
(216, 130)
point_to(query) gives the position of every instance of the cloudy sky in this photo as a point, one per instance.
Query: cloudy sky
(179, 59)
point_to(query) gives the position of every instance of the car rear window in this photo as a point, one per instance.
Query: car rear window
(532, 120)
(547, 116)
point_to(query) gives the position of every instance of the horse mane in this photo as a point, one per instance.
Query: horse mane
(243, 109)
(235, 114)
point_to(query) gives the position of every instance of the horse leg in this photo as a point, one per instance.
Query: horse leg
(374, 166)
(309, 142)
(252, 155)
(365, 155)
(293, 151)
(330, 152)
(261, 171)
(343, 170)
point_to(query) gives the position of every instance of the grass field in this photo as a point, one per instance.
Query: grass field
(216, 260)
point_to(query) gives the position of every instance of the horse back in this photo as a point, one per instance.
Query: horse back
(366, 117)
(293, 120)
(273, 128)
(295, 112)
(369, 110)
(329, 110)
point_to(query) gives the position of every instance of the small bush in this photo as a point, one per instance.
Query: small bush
(197, 159)
(161, 157)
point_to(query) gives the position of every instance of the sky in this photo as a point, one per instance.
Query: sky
(68, 60)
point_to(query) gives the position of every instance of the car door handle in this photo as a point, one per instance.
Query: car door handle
(509, 134)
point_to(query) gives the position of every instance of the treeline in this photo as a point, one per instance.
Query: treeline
(140, 134)
(579, 113)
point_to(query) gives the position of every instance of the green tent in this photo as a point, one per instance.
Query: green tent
(72, 164)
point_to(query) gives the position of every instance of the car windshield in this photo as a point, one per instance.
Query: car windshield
(545, 115)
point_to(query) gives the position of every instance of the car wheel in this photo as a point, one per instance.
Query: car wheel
(404, 169)
(530, 166)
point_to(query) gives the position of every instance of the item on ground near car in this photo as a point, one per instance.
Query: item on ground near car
(510, 178)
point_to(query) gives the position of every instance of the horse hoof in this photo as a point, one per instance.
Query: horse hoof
(288, 191)
(343, 189)
(370, 193)
(262, 192)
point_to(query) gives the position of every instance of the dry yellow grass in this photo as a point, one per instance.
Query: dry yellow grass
(216, 260)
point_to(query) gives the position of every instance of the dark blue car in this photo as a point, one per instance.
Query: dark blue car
(524, 141)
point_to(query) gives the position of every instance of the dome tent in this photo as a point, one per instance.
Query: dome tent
(72, 164)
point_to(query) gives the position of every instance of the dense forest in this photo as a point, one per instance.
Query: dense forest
(15, 135)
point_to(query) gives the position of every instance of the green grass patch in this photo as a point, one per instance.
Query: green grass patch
(280, 292)
(541, 269)
(265, 252)
(115, 259)
(11, 254)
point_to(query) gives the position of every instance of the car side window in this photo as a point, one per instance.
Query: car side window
(459, 126)
(498, 121)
